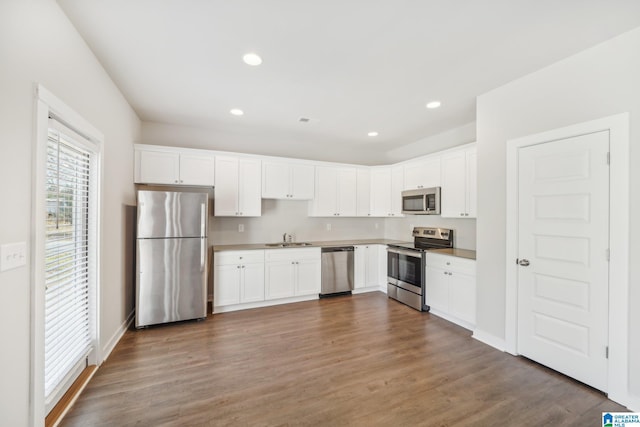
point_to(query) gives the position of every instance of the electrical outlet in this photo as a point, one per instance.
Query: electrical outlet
(377, 225)
(13, 255)
(240, 228)
(328, 227)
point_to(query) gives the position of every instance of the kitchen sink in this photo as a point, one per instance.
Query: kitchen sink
(288, 245)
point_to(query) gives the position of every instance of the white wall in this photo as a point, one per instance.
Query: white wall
(39, 45)
(601, 81)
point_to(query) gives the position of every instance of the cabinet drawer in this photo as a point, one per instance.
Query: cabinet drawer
(291, 254)
(238, 257)
(451, 263)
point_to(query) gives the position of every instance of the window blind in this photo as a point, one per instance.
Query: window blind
(68, 264)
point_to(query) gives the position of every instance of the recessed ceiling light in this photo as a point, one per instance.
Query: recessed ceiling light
(252, 59)
(374, 133)
(236, 112)
(433, 104)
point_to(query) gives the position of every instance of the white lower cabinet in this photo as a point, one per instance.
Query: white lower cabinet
(451, 288)
(238, 277)
(366, 266)
(292, 272)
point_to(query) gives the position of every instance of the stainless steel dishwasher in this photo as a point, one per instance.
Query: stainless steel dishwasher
(337, 270)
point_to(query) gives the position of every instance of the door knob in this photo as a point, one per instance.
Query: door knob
(524, 262)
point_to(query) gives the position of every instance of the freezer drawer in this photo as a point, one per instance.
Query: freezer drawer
(171, 280)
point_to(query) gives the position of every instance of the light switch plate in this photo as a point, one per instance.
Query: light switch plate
(13, 255)
(241, 228)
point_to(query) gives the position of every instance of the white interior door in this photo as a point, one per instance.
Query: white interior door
(563, 223)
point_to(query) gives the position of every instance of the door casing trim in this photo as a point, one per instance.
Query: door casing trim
(618, 329)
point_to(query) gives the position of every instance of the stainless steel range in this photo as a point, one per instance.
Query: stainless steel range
(406, 265)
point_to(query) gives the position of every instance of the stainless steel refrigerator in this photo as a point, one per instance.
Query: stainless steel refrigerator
(171, 257)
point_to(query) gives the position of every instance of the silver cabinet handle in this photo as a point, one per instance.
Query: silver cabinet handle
(524, 262)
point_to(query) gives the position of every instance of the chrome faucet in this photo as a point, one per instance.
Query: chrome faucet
(284, 238)
(287, 238)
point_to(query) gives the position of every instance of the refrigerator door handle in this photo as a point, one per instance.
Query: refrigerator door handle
(203, 217)
(203, 250)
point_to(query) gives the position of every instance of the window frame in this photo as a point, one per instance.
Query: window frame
(48, 106)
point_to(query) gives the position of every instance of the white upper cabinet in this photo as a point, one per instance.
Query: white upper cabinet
(287, 180)
(424, 173)
(458, 196)
(238, 187)
(363, 192)
(335, 192)
(386, 191)
(173, 166)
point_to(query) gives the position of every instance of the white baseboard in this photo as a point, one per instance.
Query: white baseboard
(490, 340)
(634, 403)
(111, 344)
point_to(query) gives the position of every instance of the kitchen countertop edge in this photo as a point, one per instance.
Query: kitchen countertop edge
(320, 244)
(461, 253)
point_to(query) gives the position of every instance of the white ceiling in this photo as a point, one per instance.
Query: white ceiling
(352, 66)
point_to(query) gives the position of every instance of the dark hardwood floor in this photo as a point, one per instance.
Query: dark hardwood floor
(356, 361)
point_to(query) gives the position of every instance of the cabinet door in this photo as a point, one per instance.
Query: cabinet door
(325, 202)
(225, 201)
(347, 184)
(382, 266)
(276, 180)
(278, 279)
(472, 187)
(397, 183)
(249, 188)
(372, 276)
(302, 182)
(363, 192)
(359, 266)
(197, 169)
(437, 289)
(226, 285)
(252, 287)
(413, 175)
(453, 196)
(158, 167)
(381, 192)
(462, 296)
(308, 277)
(431, 172)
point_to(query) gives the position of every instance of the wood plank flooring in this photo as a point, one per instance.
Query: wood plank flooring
(359, 360)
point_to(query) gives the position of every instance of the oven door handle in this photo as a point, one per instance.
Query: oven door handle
(413, 254)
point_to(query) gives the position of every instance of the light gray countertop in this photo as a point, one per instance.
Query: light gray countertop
(314, 244)
(462, 253)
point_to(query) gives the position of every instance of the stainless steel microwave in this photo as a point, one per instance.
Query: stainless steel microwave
(424, 201)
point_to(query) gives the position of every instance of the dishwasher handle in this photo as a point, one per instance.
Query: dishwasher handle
(338, 249)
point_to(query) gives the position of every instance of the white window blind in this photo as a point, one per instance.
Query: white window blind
(68, 260)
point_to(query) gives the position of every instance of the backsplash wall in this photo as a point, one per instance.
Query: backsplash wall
(464, 235)
(291, 217)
